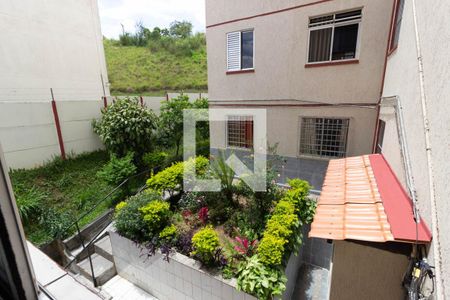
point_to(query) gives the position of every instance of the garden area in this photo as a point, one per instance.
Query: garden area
(238, 233)
(138, 143)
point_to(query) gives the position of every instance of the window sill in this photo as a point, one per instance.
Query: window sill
(317, 157)
(240, 148)
(332, 63)
(240, 72)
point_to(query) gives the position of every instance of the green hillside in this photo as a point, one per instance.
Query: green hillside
(155, 69)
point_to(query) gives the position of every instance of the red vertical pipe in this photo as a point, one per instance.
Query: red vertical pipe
(142, 100)
(105, 101)
(58, 130)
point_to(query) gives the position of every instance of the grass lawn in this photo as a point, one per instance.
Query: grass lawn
(63, 190)
(139, 70)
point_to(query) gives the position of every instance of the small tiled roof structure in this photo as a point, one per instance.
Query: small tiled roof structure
(362, 199)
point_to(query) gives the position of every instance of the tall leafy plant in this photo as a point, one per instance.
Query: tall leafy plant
(126, 126)
(171, 121)
(260, 280)
(170, 130)
(225, 174)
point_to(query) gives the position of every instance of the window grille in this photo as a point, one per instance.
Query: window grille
(240, 131)
(324, 137)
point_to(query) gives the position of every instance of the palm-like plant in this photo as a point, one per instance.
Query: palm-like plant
(225, 174)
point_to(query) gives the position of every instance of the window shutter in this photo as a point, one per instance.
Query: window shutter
(233, 51)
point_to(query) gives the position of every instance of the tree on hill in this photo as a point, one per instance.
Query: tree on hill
(178, 39)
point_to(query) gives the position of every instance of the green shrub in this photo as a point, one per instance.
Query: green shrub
(170, 129)
(203, 148)
(255, 278)
(129, 221)
(298, 195)
(261, 203)
(169, 233)
(282, 234)
(156, 215)
(155, 159)
(29, 203)
(205, 243)
(119, 206)
(126, 126)
(56, 224)
(171, 178)
(281, 225)
(117, 169)
(271, 250)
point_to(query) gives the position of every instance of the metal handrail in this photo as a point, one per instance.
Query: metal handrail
(94, 239)
(104, 199)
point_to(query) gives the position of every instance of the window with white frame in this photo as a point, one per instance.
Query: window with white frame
(240, 50)
(325, 137)
(334, 37)
(240, 131)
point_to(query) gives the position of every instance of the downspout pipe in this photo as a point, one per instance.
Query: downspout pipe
(397, 104)
(440, 287)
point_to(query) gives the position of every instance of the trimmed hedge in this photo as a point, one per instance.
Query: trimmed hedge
(171, 178)
(283, 230)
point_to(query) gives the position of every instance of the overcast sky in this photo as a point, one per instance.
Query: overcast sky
(151, 12)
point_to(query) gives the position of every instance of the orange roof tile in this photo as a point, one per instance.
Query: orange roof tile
(351, 206)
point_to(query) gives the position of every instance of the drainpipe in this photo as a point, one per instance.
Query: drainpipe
(440, 292)
(397, 104)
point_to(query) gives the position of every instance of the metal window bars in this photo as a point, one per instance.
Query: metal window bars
(324, 137)
(240, 131)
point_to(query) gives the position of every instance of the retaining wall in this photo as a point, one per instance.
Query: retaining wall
(182, 277)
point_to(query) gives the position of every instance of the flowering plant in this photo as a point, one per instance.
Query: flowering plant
(203, 214)
(245, 247)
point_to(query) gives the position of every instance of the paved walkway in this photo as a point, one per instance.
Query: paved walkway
(57, 282)
(121, 289)
(312, 283)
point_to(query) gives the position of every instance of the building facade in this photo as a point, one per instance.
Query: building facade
(50, 50)
(414, 128)
(316, 67)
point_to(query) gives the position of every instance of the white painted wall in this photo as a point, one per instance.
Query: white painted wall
(28, 132)
(402, 79)
(49, 44)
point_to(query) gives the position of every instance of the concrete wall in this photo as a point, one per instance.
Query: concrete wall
(281, 52)
(51, 44)
(28, 132)
(183, 277)
(283, 127)
(154, 103)
(402, 80)
(368, 270)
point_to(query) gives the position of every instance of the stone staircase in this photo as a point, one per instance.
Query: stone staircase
(102, 262)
